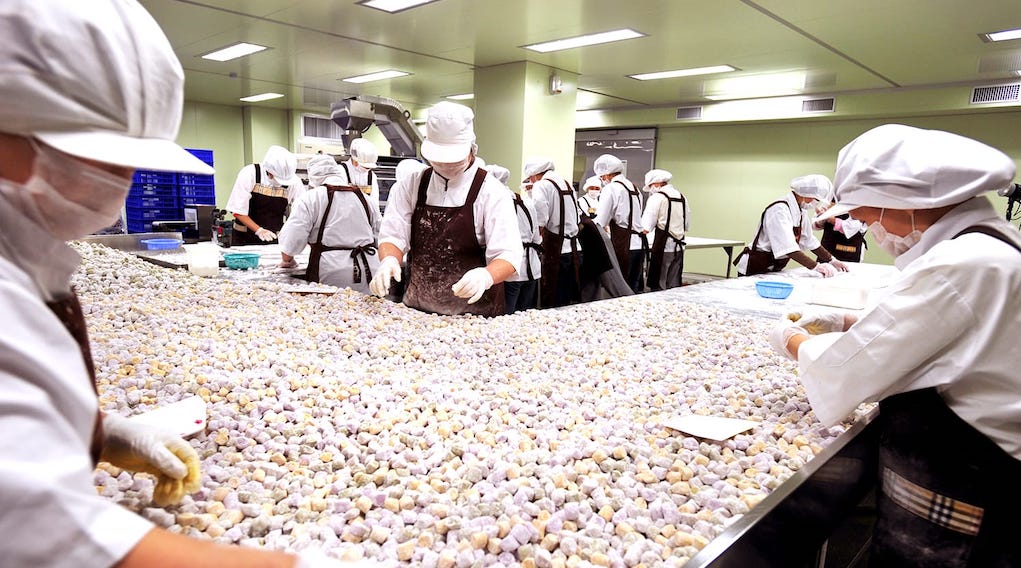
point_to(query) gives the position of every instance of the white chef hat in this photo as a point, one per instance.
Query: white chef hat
(96, 80)
(593, 181)
(608, 164)
(814, 186)
(537, 165)
(901, 167)
(365, 152)
(282, 164)
(319, 167)
(501, 173)
(449, 133)
(407, 167)
(657, 176)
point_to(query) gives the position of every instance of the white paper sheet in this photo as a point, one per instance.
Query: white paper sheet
(712, 427)
(186, 417)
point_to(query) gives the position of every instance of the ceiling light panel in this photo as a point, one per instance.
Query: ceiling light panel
(261, 97)
(581, 41)
(377, 76)
(683, 72)
(462, 97)
(1004, 35)
(234, 51)
(393, 6)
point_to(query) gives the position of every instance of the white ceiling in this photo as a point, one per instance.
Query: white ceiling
(836, 45)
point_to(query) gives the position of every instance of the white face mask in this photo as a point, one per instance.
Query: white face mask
(451, 171)
(894, 244)
(87, 200)
(593, 192)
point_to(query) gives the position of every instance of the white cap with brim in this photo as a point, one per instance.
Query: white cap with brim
(901, 167)
(537, 165)
(449, 133)
(282, 164)
(607, 164)
(335, 181)
(365, 152)
(96, 80)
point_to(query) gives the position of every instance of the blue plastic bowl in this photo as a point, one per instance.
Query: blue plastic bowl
(241, 260)
(161, 244)
(773, 290)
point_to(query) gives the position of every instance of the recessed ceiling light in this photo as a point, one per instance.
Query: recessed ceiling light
(261, 97)
(580, 41)
(234, 51)
(377, 76)
(754, 95)
(464, 97)
(683, 72)
(1001, 36)
(393, 6)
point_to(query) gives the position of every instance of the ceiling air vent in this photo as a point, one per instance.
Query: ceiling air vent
(996, 94)
(818, 105)
(689, 113)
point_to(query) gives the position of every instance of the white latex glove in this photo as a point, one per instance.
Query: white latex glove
(816, 322)
(389, 269)
(473, 284)
(781, 333)
(286, 264)
(265, 234)
(840, 266)
(143, 448)
(825, 269)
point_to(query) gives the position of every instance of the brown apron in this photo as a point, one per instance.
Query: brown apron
(69, 312)
(762, 261)
(659, 245)
(443, 247)
(847, 249)
(528, 245)
(358, 254)
(620, 236)
(552, 244)
(266, 207)
(366, 189)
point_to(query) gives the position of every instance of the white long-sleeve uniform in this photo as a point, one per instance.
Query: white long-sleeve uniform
(496, 224)
(241, 193)
(360, 177)
(52, 515)
(613, 206)
(951, 320)
(655, 215)
(547, 200)
(529, 233)
(778, 232)
(347, 226)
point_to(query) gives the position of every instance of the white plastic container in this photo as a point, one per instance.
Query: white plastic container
(203, 260)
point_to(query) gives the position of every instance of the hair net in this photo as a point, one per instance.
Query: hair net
(319, 167)
(501, 173)
(365, 152)
(593, 181)
(608, 164)
(901, 167)
(282, 164)
(407, 167)
(449, 133)
(814, 186)
(657, 176)
(537, 165)
(97, 80)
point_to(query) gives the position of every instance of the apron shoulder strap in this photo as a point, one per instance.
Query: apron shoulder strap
(258, 173)
(762, 221)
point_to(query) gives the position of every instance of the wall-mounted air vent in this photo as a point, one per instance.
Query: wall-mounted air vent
(319, 127)
(689, 113)
(818, 105)
(996, 94)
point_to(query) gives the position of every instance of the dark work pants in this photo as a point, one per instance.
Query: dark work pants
(520, 295)
(634, 273)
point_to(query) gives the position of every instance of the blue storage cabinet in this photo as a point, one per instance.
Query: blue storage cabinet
(162, 196)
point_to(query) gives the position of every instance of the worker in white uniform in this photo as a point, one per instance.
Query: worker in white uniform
(91, 91)
(785, 233)
(339, 224)
(260, 197)
(620, 212)
(939, 351)
(842, 235)
(455, 221)
(589, 200)
(359, 171)
(666, 217)
(558, 217)
(521, 291)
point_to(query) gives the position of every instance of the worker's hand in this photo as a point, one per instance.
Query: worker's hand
(389, 269)
(287, 264)
(816, 322)
(265, 234)
(826, 269)
(782, 333)
(840, 266)
(143, 448)
(473, 284)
